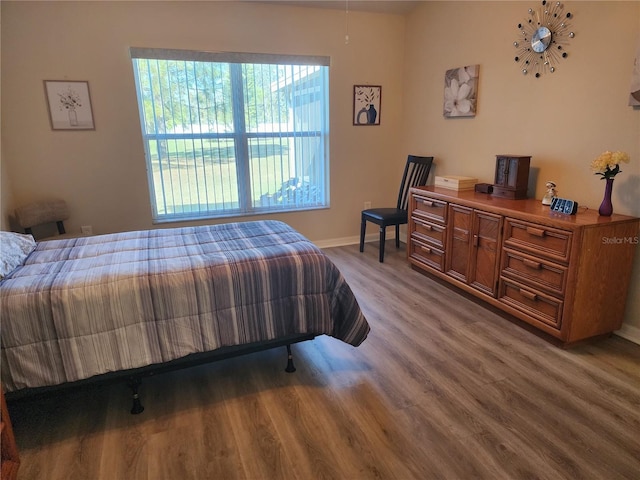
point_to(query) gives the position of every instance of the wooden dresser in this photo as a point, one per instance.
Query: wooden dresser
(567, 275)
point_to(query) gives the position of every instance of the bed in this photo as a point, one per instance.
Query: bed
(128, 303)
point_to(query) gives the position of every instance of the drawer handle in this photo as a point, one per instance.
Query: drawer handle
(529, 295)
(532, 264)
(429, 203)
(536, 232)
(426, 249)
(428, 227)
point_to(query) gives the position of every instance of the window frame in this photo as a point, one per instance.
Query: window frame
(241, 136)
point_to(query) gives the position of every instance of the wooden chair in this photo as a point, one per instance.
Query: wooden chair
(415, 174)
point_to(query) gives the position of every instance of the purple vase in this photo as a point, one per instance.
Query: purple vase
(606, 207)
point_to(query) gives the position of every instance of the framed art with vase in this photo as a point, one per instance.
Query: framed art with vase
(69, 104)
(366, 104)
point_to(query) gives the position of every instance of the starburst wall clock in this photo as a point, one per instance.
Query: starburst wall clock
(543, 39)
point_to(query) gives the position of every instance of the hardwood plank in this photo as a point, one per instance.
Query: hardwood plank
(442, 388)
(304, 438)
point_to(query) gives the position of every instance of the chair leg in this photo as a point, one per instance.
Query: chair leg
(363, 229)
(397, 236)
(382, 240)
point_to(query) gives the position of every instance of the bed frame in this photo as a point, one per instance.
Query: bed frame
(133, 377)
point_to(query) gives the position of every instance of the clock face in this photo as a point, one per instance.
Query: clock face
(543, 38)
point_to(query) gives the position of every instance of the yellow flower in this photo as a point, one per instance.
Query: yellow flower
(618, 157)
(607, 163)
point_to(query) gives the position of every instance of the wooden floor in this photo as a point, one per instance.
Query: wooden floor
(442, 388)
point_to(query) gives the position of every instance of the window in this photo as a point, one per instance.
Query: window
(232, 133)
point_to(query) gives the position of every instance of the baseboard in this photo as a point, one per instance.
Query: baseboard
(630, 333)
(340, 242)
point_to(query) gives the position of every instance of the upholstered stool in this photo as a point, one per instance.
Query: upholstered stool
(41, 216)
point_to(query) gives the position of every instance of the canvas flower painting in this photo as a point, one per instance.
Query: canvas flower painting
(461, 91)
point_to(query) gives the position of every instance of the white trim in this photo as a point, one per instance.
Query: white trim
(340, 242)
(372, 237)
(630, 333)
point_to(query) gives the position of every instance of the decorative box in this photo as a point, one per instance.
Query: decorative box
(456, 182)
(512, 176)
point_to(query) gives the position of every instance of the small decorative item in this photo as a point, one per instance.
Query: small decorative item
(366, 104)
(551, 192)
(461, 91)
(69, 105)
(607, 165)
(543, 38)
(512, 176)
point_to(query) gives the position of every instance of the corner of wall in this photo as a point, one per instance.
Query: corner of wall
(6, 197)
(629, 332)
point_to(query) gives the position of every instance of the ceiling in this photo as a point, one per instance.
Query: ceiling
(398, 7)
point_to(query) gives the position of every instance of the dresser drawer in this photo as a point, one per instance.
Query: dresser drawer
(535, 304)
(426, 254)
(538, 239)
(429, 208)
(429, 232)
(534, 271)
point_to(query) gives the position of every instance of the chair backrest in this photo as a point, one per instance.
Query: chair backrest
(416, 172)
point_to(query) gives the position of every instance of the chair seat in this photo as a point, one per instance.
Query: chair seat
(390, 216)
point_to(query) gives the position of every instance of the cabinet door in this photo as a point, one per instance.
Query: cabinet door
(502, 171)
(458, 247)
(512, 173)
(485, 244)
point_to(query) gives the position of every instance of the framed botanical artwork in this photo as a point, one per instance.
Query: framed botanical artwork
(69, 105)
(461, 91)
(366, 104)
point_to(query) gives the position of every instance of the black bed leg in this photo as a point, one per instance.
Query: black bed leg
(134, 383)
(290, 368)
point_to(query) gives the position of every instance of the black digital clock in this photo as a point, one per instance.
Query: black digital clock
(563, 205)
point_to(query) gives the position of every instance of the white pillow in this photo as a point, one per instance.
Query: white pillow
(14, 249)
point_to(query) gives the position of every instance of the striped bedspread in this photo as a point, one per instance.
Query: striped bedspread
(87, 306)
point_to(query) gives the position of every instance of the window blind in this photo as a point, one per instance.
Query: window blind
(232, 133)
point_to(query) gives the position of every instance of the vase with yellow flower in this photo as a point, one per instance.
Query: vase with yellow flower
(607, 165)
